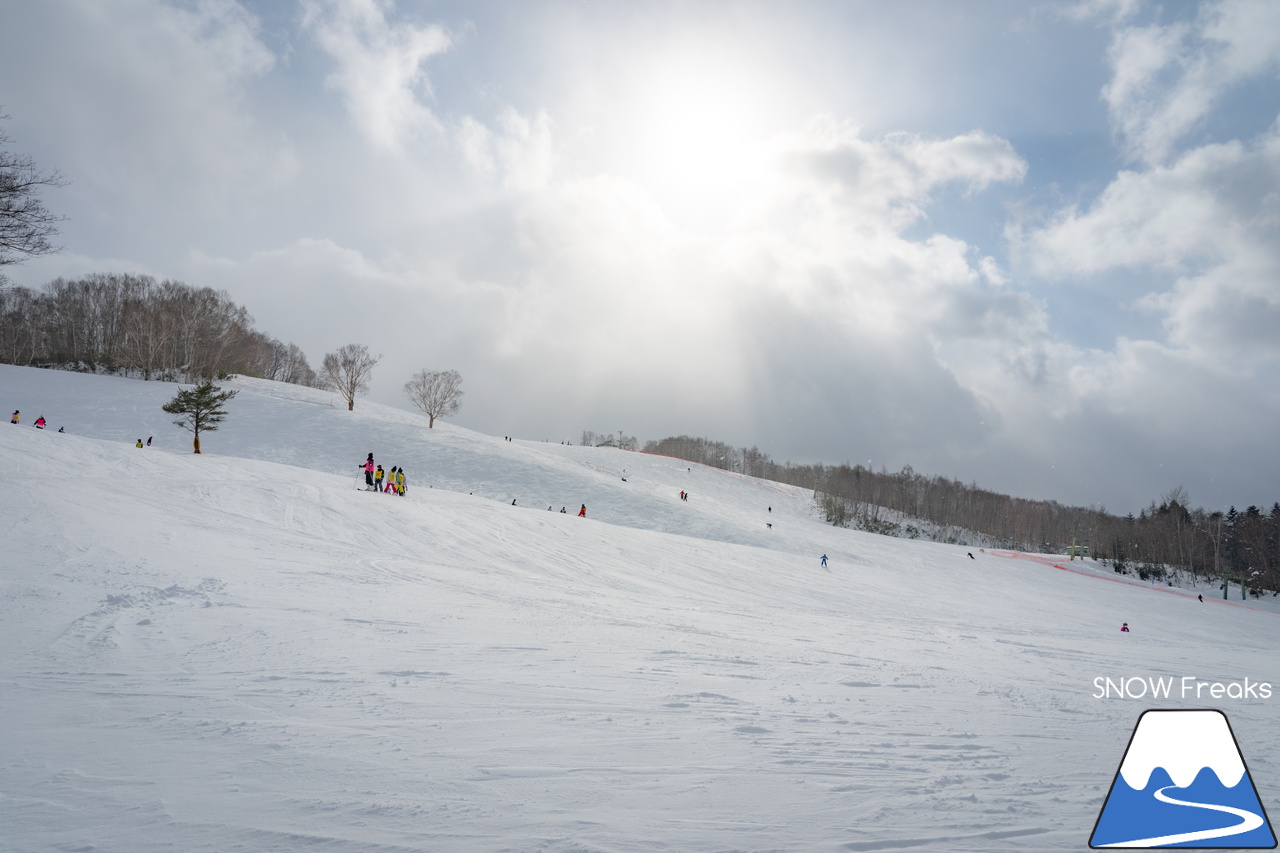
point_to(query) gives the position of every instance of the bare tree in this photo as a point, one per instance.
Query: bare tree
(437, 393)
(25, 224)
(347, 371)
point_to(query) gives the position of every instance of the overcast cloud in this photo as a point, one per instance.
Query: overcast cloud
(1034, 247)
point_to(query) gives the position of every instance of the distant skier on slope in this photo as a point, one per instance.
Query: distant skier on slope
(1124, 629)
(400, 487)
(40, 422)
(14, 419)
(824, 561)
(582, 513)
(378, 475)
(391, 481)
(368, 473)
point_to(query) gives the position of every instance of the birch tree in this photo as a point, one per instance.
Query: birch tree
(348, 371)
(437, 393)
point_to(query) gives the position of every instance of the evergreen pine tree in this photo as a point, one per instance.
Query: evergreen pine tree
(201, 409)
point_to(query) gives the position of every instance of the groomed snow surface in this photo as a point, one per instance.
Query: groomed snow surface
(242, 651)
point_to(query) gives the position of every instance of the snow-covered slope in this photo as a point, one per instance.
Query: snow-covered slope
(241, 650)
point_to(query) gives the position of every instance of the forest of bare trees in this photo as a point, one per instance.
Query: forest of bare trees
(135, 325)
(1242, 547)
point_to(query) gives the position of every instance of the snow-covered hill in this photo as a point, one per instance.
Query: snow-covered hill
(242, 651)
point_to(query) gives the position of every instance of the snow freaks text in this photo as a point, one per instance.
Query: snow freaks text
(1186, 687)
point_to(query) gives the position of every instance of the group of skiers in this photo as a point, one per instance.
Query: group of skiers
(374, 477)
(581, 512)
(40, 421)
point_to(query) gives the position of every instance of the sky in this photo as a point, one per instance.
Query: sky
(1031, 246)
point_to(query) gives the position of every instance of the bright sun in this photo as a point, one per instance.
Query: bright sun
(695, 126)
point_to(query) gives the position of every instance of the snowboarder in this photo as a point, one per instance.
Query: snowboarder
(139, 444)
(1201, 597)
(824, 561)
(378, 474)
(40, 422)
(62, 429)
(1124, 629)
(971, 557)
(582, 513)
(149, 440)
(368, 466)
(14, 419)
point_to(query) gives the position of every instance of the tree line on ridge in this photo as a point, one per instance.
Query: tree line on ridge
(1242, 548)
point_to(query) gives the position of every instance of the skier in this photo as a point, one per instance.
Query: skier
(513, 501)
(139, 444)
(368, 466)
(14, 419)
(40, 422)
(62, 429)
(582, 513)
(824, 561)
(400, 489)
(149, 440)
(1201, 597)
(377, 479)
(391, 480)
(971, 557)
(562, 509)
(1124, 629)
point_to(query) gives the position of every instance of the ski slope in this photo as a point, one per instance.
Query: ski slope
(242, 650)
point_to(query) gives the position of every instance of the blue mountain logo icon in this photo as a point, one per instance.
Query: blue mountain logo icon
(1183, 783)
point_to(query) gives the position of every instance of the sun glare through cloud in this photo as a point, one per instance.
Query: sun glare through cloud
(693, 130)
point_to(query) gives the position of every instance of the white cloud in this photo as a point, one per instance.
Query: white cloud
(522, 151)
(1167, 78)
(888, 181)
(1209, 223)
(139, 97)
(475, 140)
(991, 271)
(380, 72)
(1114, 11)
